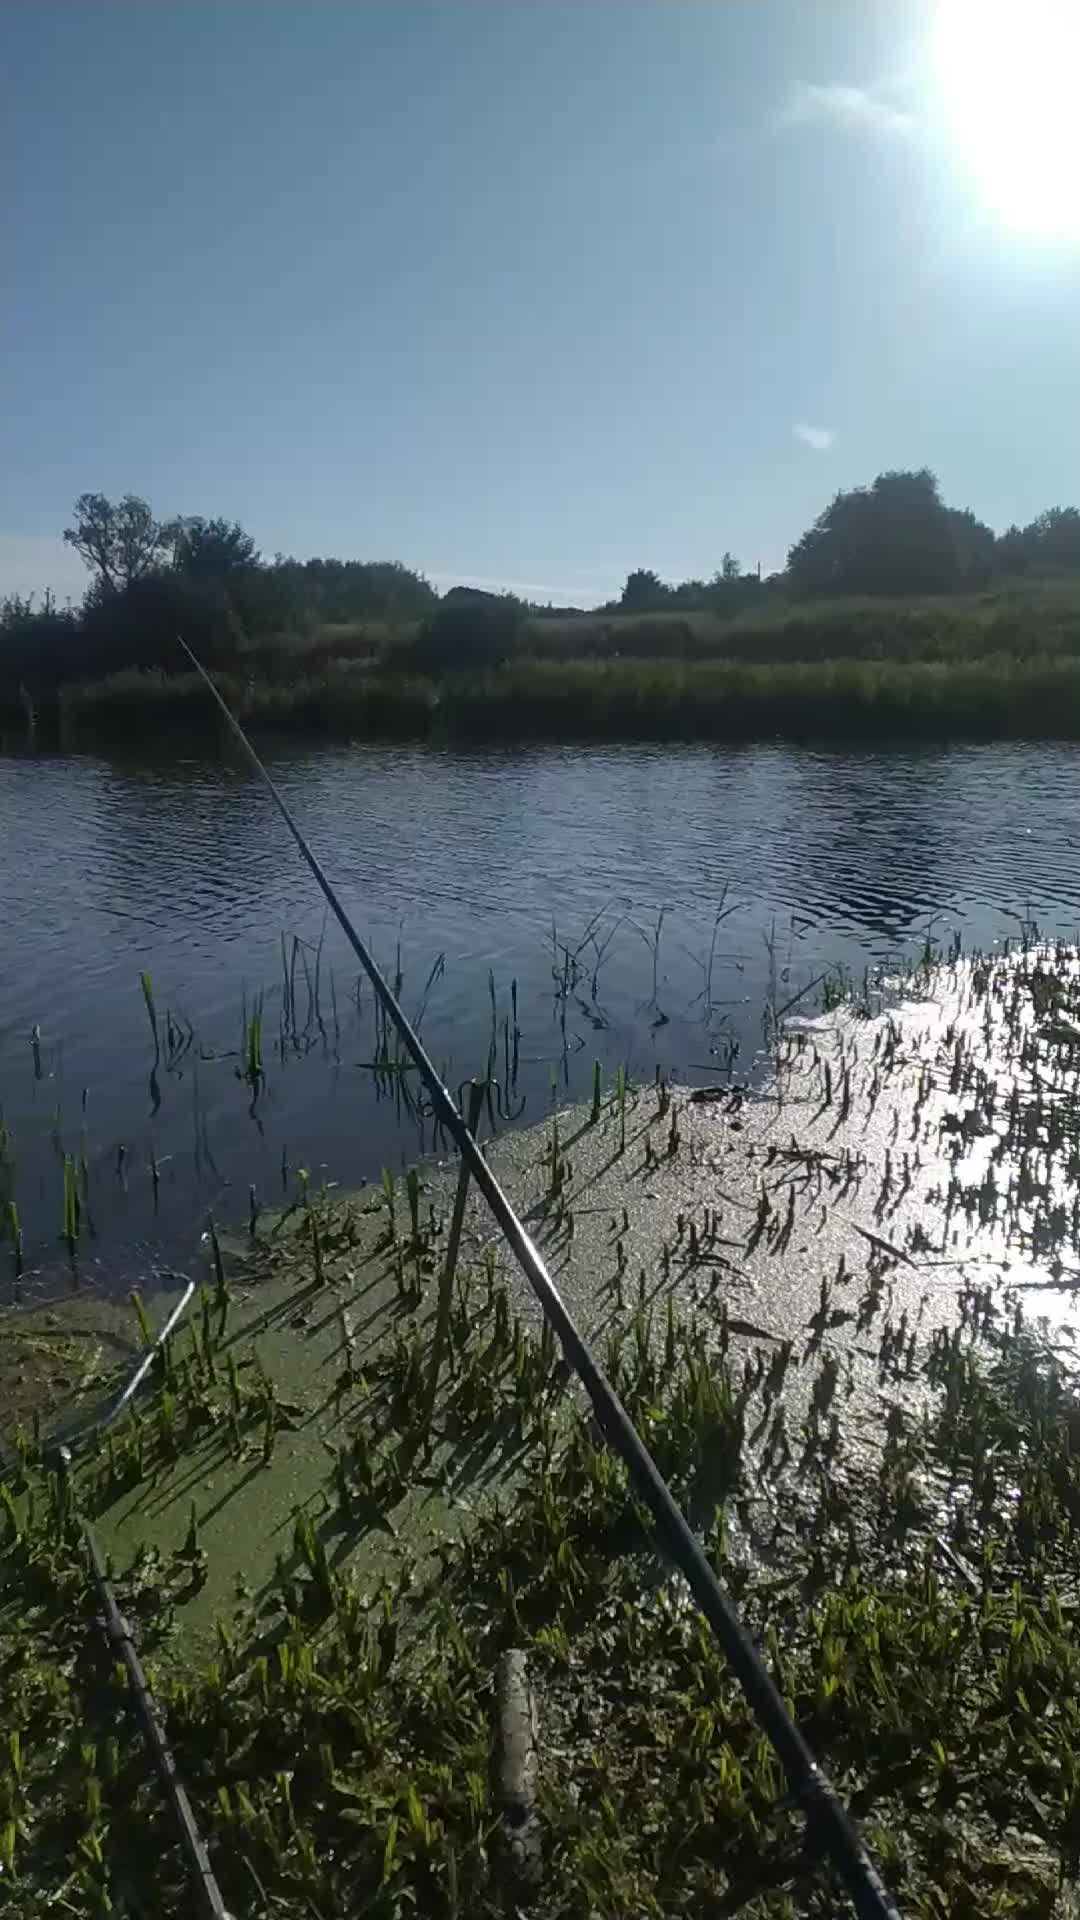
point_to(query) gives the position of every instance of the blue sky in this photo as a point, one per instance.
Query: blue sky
(531, 293)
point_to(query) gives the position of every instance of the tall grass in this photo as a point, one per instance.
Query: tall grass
(626, 699)
(338, 699)
(1023, 619)
(994, 695)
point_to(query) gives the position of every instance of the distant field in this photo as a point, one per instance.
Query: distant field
(1020, 619)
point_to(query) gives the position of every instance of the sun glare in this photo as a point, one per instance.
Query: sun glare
(1007, 74)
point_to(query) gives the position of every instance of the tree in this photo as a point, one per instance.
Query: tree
(730, 569)
(1012, 550)
(470, 630)
(209, 550)
(894, 537)
(120, 541)
(644, 591)
(344, 590)
(974, 549)
(35, 640)
(1055, 539)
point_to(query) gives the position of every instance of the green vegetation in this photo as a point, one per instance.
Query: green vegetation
(851, 700)
(997, 696)
(961, 634)
(336, 1735)
(336, 700)
(322, 1576)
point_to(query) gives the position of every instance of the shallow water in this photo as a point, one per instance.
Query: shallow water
(179, 867)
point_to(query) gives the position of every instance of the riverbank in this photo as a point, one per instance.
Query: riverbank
(813, 1305)
(994, 697)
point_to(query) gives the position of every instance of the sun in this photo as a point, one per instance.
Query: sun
(1007, 76)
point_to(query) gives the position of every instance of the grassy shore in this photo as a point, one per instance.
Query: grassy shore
(997, 696)
(341, 699)
(996, 665)
(720, 700)
(1019, 620)
(812, 1306)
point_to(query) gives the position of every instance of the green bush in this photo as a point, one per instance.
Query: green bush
(467, 633)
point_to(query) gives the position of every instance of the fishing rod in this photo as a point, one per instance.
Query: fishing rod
(828, 1821)
(148, 1358)
(73, 1437)
(118, 1634)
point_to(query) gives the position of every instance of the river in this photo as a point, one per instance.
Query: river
(696, 887)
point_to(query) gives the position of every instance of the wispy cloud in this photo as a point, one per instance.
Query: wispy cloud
(820, 438)
(529, 589)
(850, 109)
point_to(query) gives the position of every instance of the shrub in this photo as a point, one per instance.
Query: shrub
(468, 633)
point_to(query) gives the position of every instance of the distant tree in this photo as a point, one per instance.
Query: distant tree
(730, 569)
(687, 596)
(644, 592)
(471, 631)
(1048, 544)
(480, 596)
(974, 549)
(35, 640)
(120, 541)
(270, 600)
(1013, 551)
(1055, 539)
(209, 550)
(895, 537)
(339, 590)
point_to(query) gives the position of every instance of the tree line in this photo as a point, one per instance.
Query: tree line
(152, 578)
(892, 538)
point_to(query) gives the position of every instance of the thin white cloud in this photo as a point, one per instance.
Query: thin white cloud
(820, 438)
(32, 562)
(529, 589)
(847, 108)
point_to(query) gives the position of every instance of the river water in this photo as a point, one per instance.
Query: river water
(635, 905)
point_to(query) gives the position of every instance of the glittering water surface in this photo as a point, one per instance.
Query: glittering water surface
(500, 863)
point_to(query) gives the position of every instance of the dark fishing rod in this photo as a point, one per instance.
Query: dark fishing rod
(118, 1634)
(829, 1824)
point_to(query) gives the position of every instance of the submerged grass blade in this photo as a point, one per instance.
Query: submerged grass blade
(253, 1061)
(15, 1229)
(151, 1007)
(70, 1227)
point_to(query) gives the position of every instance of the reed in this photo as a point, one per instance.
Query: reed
(151, 1010)
(15, 1229)
(71, 1210)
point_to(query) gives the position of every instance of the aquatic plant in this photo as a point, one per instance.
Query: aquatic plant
(146, 1333)
(151, 1010)
(71, 1207)
(15, 1229)
(252, 1044)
